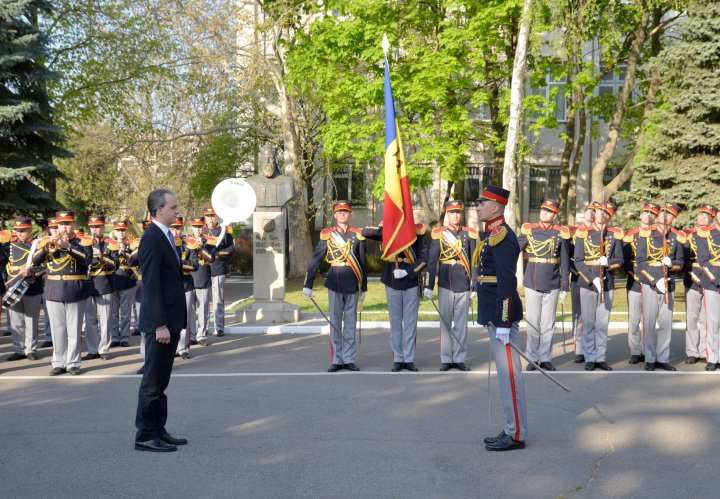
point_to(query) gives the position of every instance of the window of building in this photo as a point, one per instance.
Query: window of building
(612, 82)
(478, 176)
(544, 183)
(349, 183)
(555, 89)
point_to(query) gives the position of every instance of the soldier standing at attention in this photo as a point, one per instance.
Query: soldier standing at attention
(546, 280)
(202, 282)
(343, 247)
(187, 249)
(219, 267)
(708, 251)
(588, 218)
(452, 247)
(123, 288)
(52, 230)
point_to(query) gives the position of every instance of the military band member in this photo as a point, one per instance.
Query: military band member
(5, 238)
(636, 341)
(400, 277)
(219, 267)
(708, 255)
(598, 253)
(500, 308)
(343, 247)
(52, 230)
(577, 326)
(659, 252)
(187, 248)
(546, 280)
(66, 259)
(123, 287)
(452, 247)
(134, 263)
(202, 282)
(25, 315)
(695, 323)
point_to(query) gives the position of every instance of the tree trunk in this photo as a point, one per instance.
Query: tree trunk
(567, 156)
(577, 158)
(427, 208)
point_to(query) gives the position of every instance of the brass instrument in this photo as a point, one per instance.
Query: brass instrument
(52, 245)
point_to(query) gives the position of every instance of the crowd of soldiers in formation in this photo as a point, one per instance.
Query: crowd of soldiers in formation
(91, 284)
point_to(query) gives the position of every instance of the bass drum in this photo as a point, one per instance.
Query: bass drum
(13, 295)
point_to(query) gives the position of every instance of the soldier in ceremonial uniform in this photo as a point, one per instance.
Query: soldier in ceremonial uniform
(133, 262)
(123, 287)
(187, 247)
(695, 329)
(452, 247)
(636, 341)
(66, 259)
(219, 267)
(500, 309)
(598, 253)
(659, 252)
(546, 280)
(708, 257)
(53, 230)
(343, 247)
(202, 282)
(98, 309)
(25, 315)
(400, 277)
(588, 219)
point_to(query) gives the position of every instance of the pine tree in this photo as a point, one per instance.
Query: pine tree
(681, 158)
(28, 139)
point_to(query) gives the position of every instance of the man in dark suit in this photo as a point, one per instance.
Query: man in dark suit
(163, 315)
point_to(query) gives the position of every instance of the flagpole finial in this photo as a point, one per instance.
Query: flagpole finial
(385, 44)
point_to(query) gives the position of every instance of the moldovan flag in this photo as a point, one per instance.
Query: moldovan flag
(398, 220)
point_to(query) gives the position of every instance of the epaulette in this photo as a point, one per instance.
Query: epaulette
(690, 231)
(191, 243)
(437, 232)
(4, 237)
(527, 228)
(86, 241)
(112, 244)
(619, 233)
(325, 233)
(357, 231)
(679, 234)
(572, 229)
(178, 242)
(473, 233)
(629, 234)
(564, 231)
(704, 232)
(420, 229)
(497, 235)
(582, 232)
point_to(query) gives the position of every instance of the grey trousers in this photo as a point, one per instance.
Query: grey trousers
(66, 323)
(576, 316)
(189, 332)
(218, 297)
(24, 318)
(695, 331)
(121, 313)
(343, 308)
(512, 389)
(657, 324)
(636, 342)
(712, 317)
(403, 309)
(98, 313)
(453, 312)
(595, 319)
(202, 312)
(540, 316)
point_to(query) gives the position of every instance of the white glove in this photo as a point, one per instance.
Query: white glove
(666, 261)
(603, 261)
(563, 295)
(660, 285)
(473, 294)
(399, 273)
(596, 283)
(307, 292)
(362, 296)
(427, 293)
(503, 334)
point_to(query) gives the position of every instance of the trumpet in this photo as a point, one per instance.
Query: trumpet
(52, 245)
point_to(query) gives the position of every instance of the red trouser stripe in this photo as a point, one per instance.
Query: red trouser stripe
(511, 369)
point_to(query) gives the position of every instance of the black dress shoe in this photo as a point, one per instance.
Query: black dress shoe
(460, 366)
(220, 333)
(91, 356)
(32, 356)
(16, 356)
(351, 367)
(635, 359)
(203, 343)
(604, 366)
(169, 439)
(445, 366)
(46, 344)
(155, 445)
(492, 440)
(105, 356)
(590, 366)
(193, 342)
(74, 371)
(397, 366)
(114, 344)
(124, 344)
(691, 360)
(547, 366)
(649, 366)
(134, 332)
(579, 359)
(505, 442)
(57, 370)
(710, 366)
(530, 367)
(334, 368)
(410, 366)
(664, 366)
(6, 333)
(185, 355)
(141, 370)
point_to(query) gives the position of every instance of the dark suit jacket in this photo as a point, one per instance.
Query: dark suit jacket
(163, 298)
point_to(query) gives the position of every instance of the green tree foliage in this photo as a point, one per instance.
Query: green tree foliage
(28, 138)
(681, 159)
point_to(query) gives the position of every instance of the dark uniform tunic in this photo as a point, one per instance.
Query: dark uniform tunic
(708, 255)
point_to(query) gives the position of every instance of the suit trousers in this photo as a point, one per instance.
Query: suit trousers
(576, 316)
(66, 322)
(636, 341)
(695, 331)
(189, 332)
(403, 310)
(343, 309)
(512, 389)
(218, 297)
(657, 324)
(121, 313)
(595, 319)
(453, 312)
(152, 402)
(202, 312)
(712, 316)
(98, 310)
(540, 309)
(24, 318)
